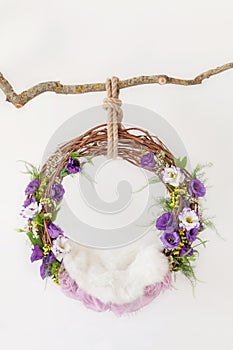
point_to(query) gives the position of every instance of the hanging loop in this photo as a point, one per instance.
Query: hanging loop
(113, 106)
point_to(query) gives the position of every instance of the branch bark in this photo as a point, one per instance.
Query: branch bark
(19, 100)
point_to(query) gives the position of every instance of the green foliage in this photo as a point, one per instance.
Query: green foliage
(33, 171)
(199, 171)
(54, 268)
(201, 242)
(39, 220)
(64, 172)
(180, 163)
(164, 203)
(55, 212)
(35, 241)
(208, 223)
(184, 265)
(19, 230)
(88, 160)
(75, 155)
(153, 180)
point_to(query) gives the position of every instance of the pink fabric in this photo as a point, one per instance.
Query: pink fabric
(70, 288)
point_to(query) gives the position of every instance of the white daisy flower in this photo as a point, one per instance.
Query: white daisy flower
(188, 219)
(173, 176)
(60, 247)
(31, 210)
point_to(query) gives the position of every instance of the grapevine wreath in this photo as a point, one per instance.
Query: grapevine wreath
(180, 224)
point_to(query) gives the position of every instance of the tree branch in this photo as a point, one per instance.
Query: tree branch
(19, 100)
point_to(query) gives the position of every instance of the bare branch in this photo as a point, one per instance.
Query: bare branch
(19, 100)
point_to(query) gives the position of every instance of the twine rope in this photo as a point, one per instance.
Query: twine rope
(112, 105)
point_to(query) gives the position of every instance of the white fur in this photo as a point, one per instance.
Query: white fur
(117, 275)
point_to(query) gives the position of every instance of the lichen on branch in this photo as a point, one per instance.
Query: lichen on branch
(19, 100)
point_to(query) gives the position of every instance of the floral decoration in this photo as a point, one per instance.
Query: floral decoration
(49, 244)
(180, 224)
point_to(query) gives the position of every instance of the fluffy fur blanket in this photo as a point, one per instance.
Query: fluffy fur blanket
(119, 275)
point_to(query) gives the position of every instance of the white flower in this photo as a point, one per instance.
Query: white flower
(31, 210)
(60, 247)
(172, 176)
(189, 219)
(35, 233)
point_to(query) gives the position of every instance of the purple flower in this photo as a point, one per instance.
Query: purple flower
(54, 231)
(73, 166)
(192, 234)
(185, 249)
(45, 269)
(165, 222)
(32, 187)
(57, 192)
(170, 239)
(28, 201)
(196, 188)
(37, 253)
(148, 160)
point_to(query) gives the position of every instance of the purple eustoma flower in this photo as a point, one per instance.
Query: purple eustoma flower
(73, 166)
(37, 253)
(165, 222)
(46, 265)
(196, 188)
(170, 240)
(57, 192)
(32, 187)
(185, 249)
(148, 160)
(192, 234)
(28, 201)
(54, 231)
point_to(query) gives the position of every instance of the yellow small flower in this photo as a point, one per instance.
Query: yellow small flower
(46, 249)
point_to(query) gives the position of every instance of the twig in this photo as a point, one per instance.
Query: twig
(19, 100)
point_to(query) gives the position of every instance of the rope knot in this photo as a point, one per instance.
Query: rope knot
(112, 105)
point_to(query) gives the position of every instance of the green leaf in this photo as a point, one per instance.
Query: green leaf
(202, 242)
(154, 180)
(55, 212)
(198, 171)
(31, 170)
(183, 264)
(39, 219)
(34, 240)
(183, 163)
(180, 163)
(89, 161)
(64, 172)
(192, 258)
(75, 154)
(55, 267)
(19, 230)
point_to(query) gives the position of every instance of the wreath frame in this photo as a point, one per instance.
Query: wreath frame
(135, 145)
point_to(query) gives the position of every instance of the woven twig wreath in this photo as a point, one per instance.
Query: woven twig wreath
(180, 224)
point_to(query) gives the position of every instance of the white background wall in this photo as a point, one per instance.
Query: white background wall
(78, 42)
